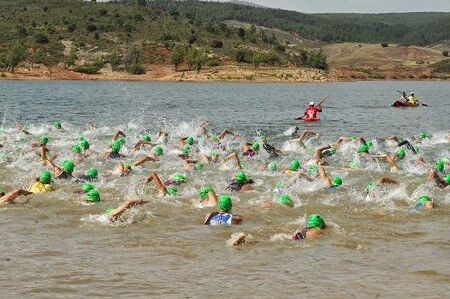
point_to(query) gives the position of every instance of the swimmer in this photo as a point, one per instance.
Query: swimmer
(208, 197)
(192, 164)
(21, 129)
(283, 199)
(314, 228)
(146, 140)
(90, 176)
(293, 166)
(329, 183)
(156, 151)
(240, 182)
(7, 198)
(176, 180)
(42, 184)
(63, 172)
(43, 150)
(114, 214)
(122, 169)
(302, 137)
(250, 149)
(374, 188)
(237, 161)
(57, 125)
(434, 174)
(273, 152)
(153, 177)
(113, 151)
(424, 202)
(223, 214)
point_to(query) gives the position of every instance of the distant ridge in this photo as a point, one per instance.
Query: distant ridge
(245, 3)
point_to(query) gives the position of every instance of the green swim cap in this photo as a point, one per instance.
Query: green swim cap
(68, 166)
(19, 139)
(81, 137)
(171, 190)
(285, 200)
(179, 178)
(240, 177)
(198, 165)
(57, 124)
(213, 154)
(363, 148)
(146, 138)
(272, 166)
(231, 149)
(186, 149)
(93, 196)
(87, 187)
(1, 190)
(158, 150)
(294, 165)
(369, 143)
(370, 186)
(313, 168)
(92, 172)
(439, 165)
(332, 151)
(315, 221)
(255, 146)
(400, 152)
(108, 210)
(224, 203)
(43, 139)
(189, 140)
(263, 137)
(45, 177)
(213, 138)
(336, 181)
(446, 178)
(84, 144)
(76, 148)
(204, 190)
(422, 135)
(353, 163)
(423, 199)
(121, 140)
(353, 137)
(127, 165)
(115, 147)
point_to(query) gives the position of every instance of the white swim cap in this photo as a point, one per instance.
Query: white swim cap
(412, 92)
(311, 103)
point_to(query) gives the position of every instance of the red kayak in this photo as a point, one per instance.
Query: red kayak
(403, 104)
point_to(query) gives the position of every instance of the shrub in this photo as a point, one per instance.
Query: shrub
(86, 68)
(136, 69)
(217, 44)
(385, 45)
(41, 38)
(445, 53)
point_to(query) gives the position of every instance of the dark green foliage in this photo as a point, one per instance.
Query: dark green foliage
(114, 61)
(241, 32)
(442, 66)
(384, 45)
(136, 69)
(15, 55)
(177, 55)
(445, 53)
(41, 38)
(217, 44)
(318, 60)
(87, 68)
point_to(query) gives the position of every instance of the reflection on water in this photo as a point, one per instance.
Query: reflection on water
(54, 244)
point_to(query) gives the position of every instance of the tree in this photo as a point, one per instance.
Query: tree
(38, 56)
(257, 59)
(318, 60)
(70, 58)
(197, 56)
(15, 55)
(114, 61)
(177, 55)
(241, 32)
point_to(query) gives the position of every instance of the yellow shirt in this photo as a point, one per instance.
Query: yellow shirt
(39, 187)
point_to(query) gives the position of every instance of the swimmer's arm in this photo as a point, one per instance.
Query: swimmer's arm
(211, 199)
(313, 233)
(10, 196)
(143, 160)
(393, 137)
(118, 133)
(387, 180)
(124, 206)
(323, 174)
(236, 219)
(34, 180)
(53, 166)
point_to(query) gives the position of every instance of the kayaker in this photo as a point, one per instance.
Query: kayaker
(403, 98)
(311, 111)
(412, 100)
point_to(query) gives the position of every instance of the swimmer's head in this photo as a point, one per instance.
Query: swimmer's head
(370, 187)
(294, 165)
(186, 149)
(353, 137)
(87, 187)
(286, 200)
(400, 153)
(146, 138)
(423, 199)
(263, 138)
(255, 146)
(363, 148)
(158, 150)
(353, 163)
(240, 177)
(224, 203)
(439, 166)
(272, 166)
(171, 190)
(2, 192)
(422, 135)
(93, 196)
(127, 165)
(315, 221)
(115, 146)
(108, 210)
(43, 139)
(68, 166)
(313, 168)
(92, 172)
(57, 124)
(204, 190)
(121, 140)
(84, 144)
(198, 165)
(336, 181)
(311, 103)
(20, 139)
(45, 177)
(446, 178)
(81, 137)
(179, 178)
(75, 149)
(369, 143)
(190, 140)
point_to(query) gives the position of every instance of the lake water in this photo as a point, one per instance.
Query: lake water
(54, 245)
